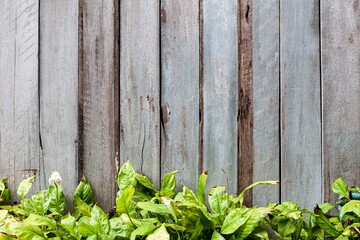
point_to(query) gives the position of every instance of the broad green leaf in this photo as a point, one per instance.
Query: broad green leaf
(39, 202)
(126, 177)
(218, 201)
(217, 236)
(257, 215)
(123, 202)
(175, 227)
(159, 233)
(236, 218)
(161, 209)
(58, 201)
(84, 191)
(81, 207)
(286, 227)
(144, 181)
(240, 198)
(201, 186)
(143, 230)
(3, 214)
(352, 206)
(168, 185)
(325, 207)
(339, 187)
(325, 223)
(24, 186)
(119, 229)
(38, 220)
(85, 227)
(4, 192)
(100, 219)
(24, 231)
(69, 224)
(198, 230)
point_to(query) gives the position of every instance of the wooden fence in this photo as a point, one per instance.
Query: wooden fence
(255, 90)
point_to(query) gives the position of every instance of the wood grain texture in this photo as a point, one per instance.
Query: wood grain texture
(301, 165)
(97, 98)
(340, 22)
(245, 112)
(266, 76)
(59, 92)
(180, 89)
(140, 86)
(19, 103)
(220, 92)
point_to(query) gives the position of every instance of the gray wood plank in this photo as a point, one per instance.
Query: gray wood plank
(98, 107)
(220, 92)
(59, 92)
(341, 92)
(301, 166)
(19, 103)
(140, 86)
(266, 78)
(180, 89)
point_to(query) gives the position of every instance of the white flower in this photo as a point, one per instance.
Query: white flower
(55, 178)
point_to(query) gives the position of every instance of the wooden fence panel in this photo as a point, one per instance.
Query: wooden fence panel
(19, 103)
(340, 33)
(266, 92)
(59, 92)
(140, 86)
(301, 165)
(180, 89)
(98, 85)
(220, 92)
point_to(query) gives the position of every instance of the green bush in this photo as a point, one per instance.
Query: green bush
(144, 212)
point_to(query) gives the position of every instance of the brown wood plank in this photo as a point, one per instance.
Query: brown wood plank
(98, 82)
(19, 102)
(266, 76)
(59, 92)
(301, 163)
(340, 31)
(140, 86)
(180, 89)
(220, 92)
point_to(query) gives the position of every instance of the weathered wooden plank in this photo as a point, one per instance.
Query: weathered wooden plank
(19, 103)
(98, 86)
(301, 166)
(140, 86)
(180, 89)
(266, 76)
(59, 92)
(340, 31)
(220, 92)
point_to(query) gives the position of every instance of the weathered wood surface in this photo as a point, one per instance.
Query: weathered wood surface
(19, 103)
(180, 89)
(340, 31)
(140, 86)
(59, 92)
(220, 92)
(301, 165)
(98, 83)
(266, 92)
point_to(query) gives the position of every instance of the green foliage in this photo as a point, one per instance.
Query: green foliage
(144, 212)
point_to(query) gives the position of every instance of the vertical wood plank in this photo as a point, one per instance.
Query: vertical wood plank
(340, 22)
(59, 92)
(97, 89)
(266, 78)
(220, 92)
(140, 86)
(180, 89)
(301, 166)
(19, 103)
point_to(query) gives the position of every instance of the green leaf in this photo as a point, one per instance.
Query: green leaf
(325, 207)
(38, 220)
(119, 229)
(217, 236)
(236, 218)
(58, 201)
(339, 187)
(69, 224)
(85, 227)
(84, 191)
(4, 192)
(352, 206)
(257, 215)
(218, 200)
(324, 223)
(24, 186)
(201, 186)
(3, 215)
(160, 233)
(100, 219)
(81, 207)
(143, 230)
(286, 227)
(240, 198)
(144, 181)
(126, 177)
(123, 202)
(155, 208)
(168, 185)
(24, 231)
